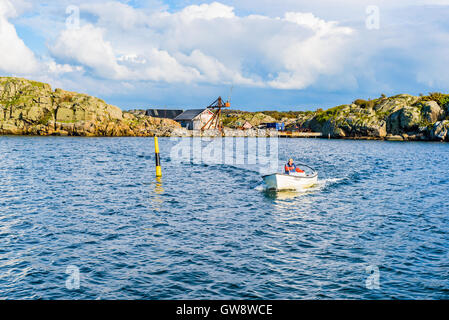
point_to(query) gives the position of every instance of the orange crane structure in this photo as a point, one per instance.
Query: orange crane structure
(215, 121)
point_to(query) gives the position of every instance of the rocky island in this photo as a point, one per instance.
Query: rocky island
(33, 108)
(401, 117)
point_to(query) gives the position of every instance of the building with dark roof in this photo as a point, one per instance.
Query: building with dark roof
(163, 113)
(195, 119)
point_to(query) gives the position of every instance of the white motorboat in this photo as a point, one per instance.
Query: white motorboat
(293, 181)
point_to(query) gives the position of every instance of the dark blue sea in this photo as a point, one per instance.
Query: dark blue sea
(85, 218)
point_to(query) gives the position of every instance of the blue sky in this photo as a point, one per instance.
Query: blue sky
(276, 55)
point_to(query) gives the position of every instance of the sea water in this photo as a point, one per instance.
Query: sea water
(85, 218)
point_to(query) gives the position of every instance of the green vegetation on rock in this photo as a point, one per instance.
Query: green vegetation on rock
(440, 98)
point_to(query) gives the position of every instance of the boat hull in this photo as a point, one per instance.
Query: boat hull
(278, 181)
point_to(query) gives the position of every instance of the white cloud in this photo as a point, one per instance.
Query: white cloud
(15, 56)
(212, 70)
(109, 12)
(211, 11)
(320, 54)
(158, 65)
(86, 46)
(21, 6)
(204, 43)
(57, 69)
(434, 59)
(342, 10)
(270, 44)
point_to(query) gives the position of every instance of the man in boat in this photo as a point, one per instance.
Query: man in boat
(291, 167)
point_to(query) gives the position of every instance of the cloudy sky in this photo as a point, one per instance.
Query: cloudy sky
(274, 54)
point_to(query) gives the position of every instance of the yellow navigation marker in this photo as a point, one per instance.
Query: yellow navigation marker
(158, 159)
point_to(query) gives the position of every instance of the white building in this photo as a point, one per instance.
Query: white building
(195, 119)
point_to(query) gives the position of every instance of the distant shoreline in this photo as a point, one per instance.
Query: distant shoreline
(33, 108)
(389, 139)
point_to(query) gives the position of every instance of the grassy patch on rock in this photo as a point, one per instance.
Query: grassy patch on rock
(323, 116)
(441, 98)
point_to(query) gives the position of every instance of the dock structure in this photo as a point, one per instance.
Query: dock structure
(294, 134)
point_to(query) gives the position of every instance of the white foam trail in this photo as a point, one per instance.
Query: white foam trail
(332, 180)
(328, 182)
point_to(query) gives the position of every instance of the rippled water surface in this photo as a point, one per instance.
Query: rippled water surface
(210, 231)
